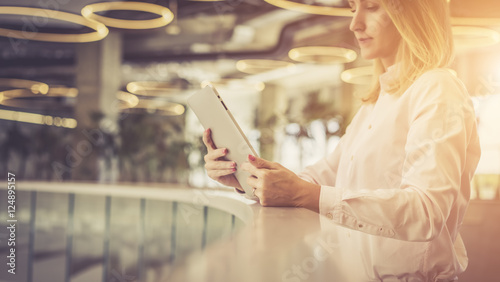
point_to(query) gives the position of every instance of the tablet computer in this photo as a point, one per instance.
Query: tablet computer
(226, 133)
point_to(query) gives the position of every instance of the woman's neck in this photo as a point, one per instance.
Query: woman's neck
(388, 61)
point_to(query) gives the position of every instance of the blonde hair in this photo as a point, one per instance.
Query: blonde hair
(426, 42)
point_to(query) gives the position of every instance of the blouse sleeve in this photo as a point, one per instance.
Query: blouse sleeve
(324, 172)
(441, 154)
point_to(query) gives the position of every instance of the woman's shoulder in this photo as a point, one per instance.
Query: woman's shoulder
(439, 84)
(440, 76)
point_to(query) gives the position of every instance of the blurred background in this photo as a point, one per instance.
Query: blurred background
(105, 101)
(96, 92)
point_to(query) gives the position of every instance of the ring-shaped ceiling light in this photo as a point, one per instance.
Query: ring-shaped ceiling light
(37, 118)
(127, 100)
(100, 30)
(62, 91)
(165, 15)
(311, 9)
(159, 107)
(35, 86)
(254, 66)
(154, 88)
(470, 37)
(27, 92)
(322, 55)
(235, 84)
(15, 94)
(358, 76)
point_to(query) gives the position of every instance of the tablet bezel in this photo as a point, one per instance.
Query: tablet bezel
(213, 113)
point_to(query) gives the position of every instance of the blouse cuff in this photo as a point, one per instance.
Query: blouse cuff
(329, 199)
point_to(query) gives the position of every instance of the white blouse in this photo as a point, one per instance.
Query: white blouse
(403, 171)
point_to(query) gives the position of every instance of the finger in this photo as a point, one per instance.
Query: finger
(217, 165)
(214, 174)
(252, 181)
(213, 155)
(251, 169)
(261, 163)
(207, 139)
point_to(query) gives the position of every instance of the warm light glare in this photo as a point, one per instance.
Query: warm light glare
(311, 9)
(254, 66)
(322, 54)
(15, 93)
(165, 15)
(470, 37)
(100, 30)
(154, 88)
(358, 76)
(161, 107)
(37, 119)
(452, 71)
(129, 100)
(62, 91)
(52, 91)
(35, 86)
(235, 84)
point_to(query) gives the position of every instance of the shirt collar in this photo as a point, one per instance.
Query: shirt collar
(388, 78)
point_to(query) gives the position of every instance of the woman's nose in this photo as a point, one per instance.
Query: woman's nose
(357, 22)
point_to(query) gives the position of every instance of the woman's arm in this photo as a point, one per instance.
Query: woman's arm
(441, 155)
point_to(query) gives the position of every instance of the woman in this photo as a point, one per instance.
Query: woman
(404, 166)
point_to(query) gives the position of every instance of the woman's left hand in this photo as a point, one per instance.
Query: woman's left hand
(279, 187)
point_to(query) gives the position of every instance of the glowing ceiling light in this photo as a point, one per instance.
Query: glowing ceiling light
(322, 55)
(129, 100)
(358, 76)
(100, 30)
(311, 9)
(165, 15)
(254, 66)
(35, 86)
(62, 91)
(15, 93)
(154, 88)
(160, 107)
(37, 119)
(470, 37)
(53, 91)
(235, 84)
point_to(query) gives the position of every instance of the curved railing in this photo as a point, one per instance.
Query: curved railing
(94, 232)
(118, 233)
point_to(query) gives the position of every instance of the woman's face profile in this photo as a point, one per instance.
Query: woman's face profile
(376, 33)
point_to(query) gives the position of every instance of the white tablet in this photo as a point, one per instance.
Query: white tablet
(213, 113)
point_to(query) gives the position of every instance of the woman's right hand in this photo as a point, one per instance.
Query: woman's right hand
(218, 168)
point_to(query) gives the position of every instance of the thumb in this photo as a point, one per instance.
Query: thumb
(259, 162)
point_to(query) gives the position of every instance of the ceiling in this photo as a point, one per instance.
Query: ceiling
(204, 41)
(204, 31)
